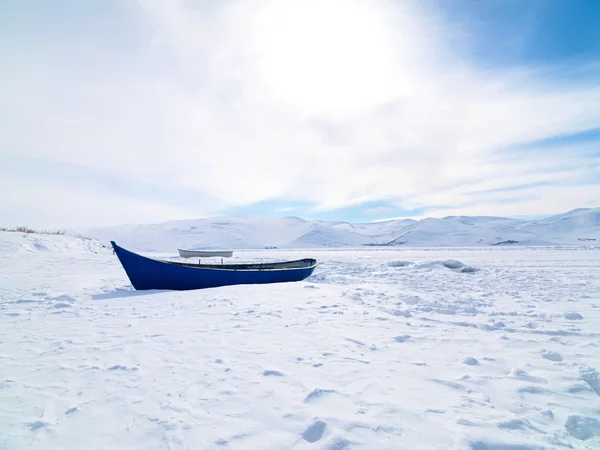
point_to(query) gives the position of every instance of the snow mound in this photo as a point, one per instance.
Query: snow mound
(452, 264)
(455, 266)
(13, 242)
(399, 263)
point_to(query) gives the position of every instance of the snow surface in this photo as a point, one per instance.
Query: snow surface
(579, 227)
(379, 349)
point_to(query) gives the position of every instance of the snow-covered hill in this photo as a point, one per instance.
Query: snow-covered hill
(577, 227)
(16, 242)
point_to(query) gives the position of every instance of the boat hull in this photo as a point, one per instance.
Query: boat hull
(204, 253)
(146, 273)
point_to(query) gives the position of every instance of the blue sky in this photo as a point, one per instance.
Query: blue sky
(533, 32)
(152, 110)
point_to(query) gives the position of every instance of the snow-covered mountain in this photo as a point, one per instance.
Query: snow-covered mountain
(577, 227)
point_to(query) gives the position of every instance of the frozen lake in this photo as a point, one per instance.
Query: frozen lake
(495, 349)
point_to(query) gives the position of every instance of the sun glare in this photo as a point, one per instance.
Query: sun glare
(327, 58)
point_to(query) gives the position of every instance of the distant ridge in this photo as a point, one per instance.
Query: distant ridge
(577, 227)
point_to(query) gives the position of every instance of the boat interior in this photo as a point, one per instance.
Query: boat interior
(298, 264)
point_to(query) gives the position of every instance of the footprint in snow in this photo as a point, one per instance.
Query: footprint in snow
(355, 341)
(37, 425)
(123, 368)
(465, 422)
(578, 387)
(400, 313)
(62, 305)
(470, 361)
(519, 424)
(552, 356)
(572, 316)
(339, 443)
(317, 394)
(531, 390)
(522, 375)
(64, 298)
(272, 373)
(315, 431)
(451, 384)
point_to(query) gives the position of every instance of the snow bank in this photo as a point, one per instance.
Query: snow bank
(13, 242)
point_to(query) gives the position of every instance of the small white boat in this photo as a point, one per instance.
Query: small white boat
(205, 253)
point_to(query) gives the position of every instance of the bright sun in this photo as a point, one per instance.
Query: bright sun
(330, 58)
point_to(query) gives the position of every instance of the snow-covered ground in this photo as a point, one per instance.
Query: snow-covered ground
(379, 349)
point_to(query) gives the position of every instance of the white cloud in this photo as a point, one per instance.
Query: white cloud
(543, 200)
(378, 211)
(287, 209)
(54, 204)
(332, 102)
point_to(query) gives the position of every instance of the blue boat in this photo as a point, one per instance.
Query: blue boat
(146, 273)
